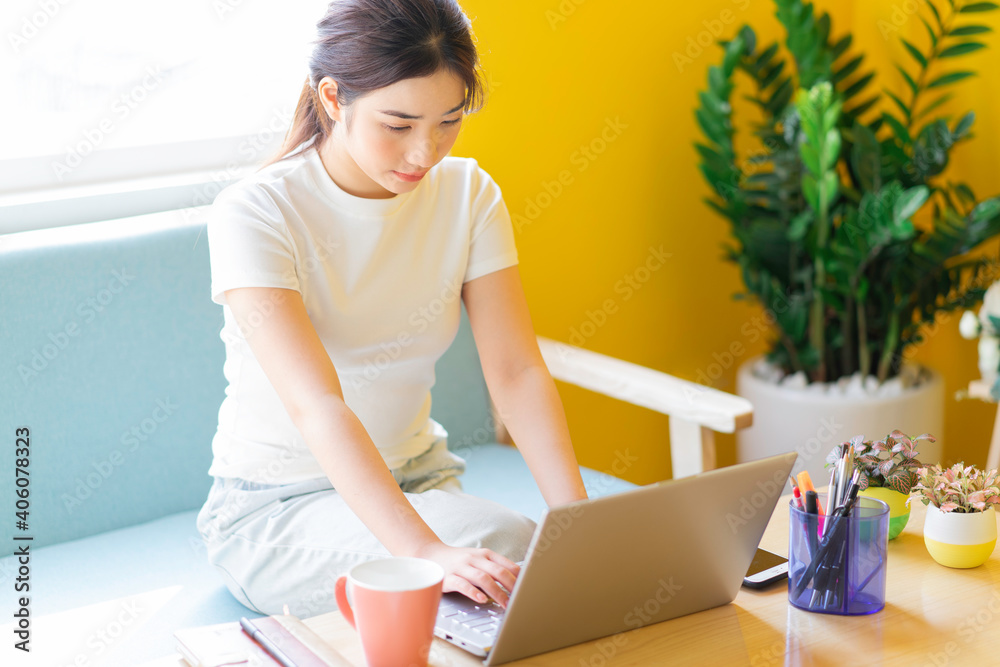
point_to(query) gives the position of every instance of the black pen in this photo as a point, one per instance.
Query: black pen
(812, 500)
(257, 635)
(811, 527)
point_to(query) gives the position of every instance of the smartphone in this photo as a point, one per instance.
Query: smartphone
(766, 568)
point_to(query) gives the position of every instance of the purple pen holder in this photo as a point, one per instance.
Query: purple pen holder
(840, 568)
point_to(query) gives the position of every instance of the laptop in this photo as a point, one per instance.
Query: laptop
(604, 565)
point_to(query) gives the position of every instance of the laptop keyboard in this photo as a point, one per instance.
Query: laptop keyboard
(484, 618)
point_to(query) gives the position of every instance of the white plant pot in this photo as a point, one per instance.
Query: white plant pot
(960, 540)
(812, 423)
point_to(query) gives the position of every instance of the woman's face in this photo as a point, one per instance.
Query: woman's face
(382, 145)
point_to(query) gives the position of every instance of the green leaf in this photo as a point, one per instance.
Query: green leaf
(962, 127)
(902, 482)
(902, 230)
(734, 51)
(808, 120)
(831, 149)
(915, 52)
(979, 7)
(862, 107)
(800, 225)
(771, 75)
(765, 56)
(846, 70)
(933, 105)
(712, 127)
(856, 87)
(810, 157)
(810, 191)
(986, 210)
(749, 38)
(866, 157)
(937, 16)
(830, 116)
(831, 185)
(950, 77)
(841, 46)
(718, 83)
(716, 106)
(780, 97)
(970, 30)
(902, 107)
(961, 49)
(909, 79)
(712, 158)
(910, 202)
(930, 31)
(898, 128)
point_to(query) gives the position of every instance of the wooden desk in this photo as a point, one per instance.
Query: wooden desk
(933, 616)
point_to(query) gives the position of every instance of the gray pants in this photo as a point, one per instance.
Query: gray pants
(277, 544)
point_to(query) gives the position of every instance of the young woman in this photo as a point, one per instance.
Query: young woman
(339, 265)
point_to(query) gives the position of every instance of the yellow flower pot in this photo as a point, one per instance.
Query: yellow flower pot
(960, 540)
(899, 511)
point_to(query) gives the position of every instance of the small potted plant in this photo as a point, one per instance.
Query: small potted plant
(961, 526)
(888, 471)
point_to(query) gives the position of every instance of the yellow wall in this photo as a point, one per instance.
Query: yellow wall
(562, 75)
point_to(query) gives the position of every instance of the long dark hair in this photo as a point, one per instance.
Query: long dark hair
(365, 45)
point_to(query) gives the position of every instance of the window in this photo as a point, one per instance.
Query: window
(160, 100)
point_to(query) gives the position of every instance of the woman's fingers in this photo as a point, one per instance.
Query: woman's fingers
(478, 571)
(499, 572)
(459, 584)
(503, 560)
(486, 583)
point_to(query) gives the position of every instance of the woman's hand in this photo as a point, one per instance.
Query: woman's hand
(473, 571)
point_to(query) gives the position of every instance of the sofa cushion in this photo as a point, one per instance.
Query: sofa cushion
(116, 598)
(113, 361)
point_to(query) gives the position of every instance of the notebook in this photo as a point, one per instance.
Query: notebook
(227, 644)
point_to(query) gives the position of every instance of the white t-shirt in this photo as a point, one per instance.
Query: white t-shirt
(381, 280)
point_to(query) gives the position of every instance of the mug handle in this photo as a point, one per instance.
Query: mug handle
(340, 592)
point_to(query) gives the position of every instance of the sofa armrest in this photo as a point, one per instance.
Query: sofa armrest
(695, 411)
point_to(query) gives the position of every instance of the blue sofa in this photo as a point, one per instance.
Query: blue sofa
(113, 363)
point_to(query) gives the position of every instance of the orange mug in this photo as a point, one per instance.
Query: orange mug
(393, 604)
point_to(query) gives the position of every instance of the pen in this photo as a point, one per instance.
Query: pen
(831, 499)
(843, 476)
(812, 502)
(812, 543)
(822, 554)
(805, 481)
(269, 646)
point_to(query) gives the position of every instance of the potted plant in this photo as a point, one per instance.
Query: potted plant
(843, 229)
(961, 526)
(888, 471)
